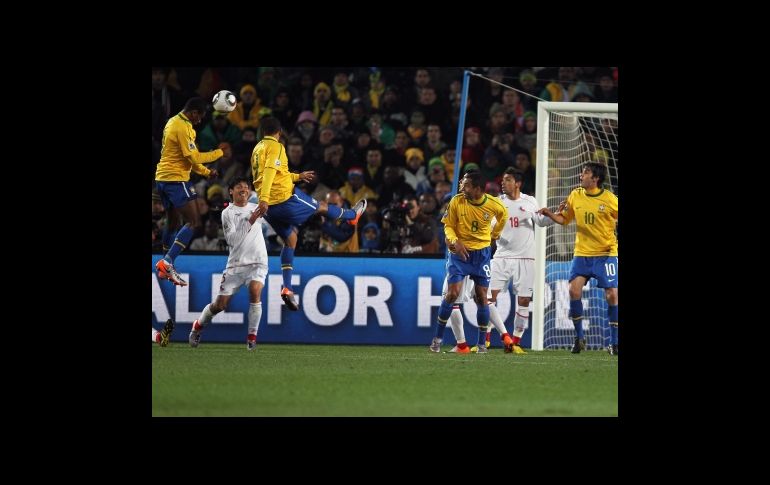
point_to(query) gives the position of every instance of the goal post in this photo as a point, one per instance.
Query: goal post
(568, 135)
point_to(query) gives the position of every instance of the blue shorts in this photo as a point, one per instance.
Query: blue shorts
(290, 213)
(477, 267)
(175, 194)
(603, 268)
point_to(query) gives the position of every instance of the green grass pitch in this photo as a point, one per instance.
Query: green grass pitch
(363, 380)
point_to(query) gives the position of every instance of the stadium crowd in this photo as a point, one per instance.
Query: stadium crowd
(385, 134)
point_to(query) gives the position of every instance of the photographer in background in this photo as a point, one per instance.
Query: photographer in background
(407, 230)
(421, 230)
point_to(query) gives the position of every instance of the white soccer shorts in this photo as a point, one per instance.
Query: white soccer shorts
(234, 278)
(520, 272)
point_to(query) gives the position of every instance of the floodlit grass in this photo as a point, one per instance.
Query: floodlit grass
(362, 380)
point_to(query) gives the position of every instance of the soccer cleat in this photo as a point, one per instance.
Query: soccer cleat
(360, 208)
(251, 342)
(166, 270)
(288, 297)
(580, 344)
(479, 350)
(435, 344)
(195, 334)
(160, 267)
(487, 342)
(518, 350)
(166, 332)
(458, 350)
(612, 349)
(507, 344)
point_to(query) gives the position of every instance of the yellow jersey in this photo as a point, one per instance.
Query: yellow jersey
(596, 216)
(471, 221)
(270, 169)
(179, 153)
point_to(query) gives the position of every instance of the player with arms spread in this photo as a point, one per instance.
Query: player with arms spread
(595, 212)
(284, 206)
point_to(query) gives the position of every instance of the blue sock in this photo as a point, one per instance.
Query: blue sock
(168, 239)
(180, 242)
(576, 314)
(444, 310)
(482, 317)
(335, 212)
(612, 315)
(287, 257)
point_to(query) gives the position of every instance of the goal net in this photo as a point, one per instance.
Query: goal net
(568, 135)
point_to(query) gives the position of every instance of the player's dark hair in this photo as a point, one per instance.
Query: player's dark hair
(236, 181)
(195, 104)
(516, 174)
(475, 178)
(270, 125)
(598, 170)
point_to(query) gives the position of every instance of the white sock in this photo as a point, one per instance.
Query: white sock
(255, 315)
(521, 322)
(154, 335)
(494, 317)
(456, 320)
(206, 316)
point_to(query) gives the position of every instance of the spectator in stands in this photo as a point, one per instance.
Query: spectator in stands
(306, 127)
(436, 174)
(218, 130)
(283, 109)
(333, 170)
(421, 79)
(243, 148)
(393, 187)
(373, 175)
(339, 236)
(529, 85)
(415, 167)
(606, 92)
(473, 148)
(417, 128)
(396, 155)
(526, 139)
(210, 240)
(247, 111)
(513, 109)
(339, 124)
(524, 165)
(354, 189)
(370, 238)
(434, 146)
(322, 103)
(434, 110)
(381, 132)
(392, 109)
(344, 93)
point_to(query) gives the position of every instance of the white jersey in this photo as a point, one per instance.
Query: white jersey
(518, 237)
(246, 243)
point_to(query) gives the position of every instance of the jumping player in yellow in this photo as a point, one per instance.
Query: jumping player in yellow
(288, 206)
(595, 211)
(469, 233)
(178, 156)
